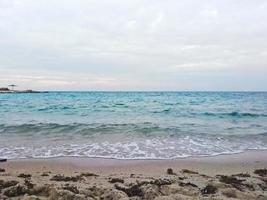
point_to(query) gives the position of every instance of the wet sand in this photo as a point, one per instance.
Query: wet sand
(217, 177)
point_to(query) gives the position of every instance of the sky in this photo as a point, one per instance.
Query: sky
(135, 45)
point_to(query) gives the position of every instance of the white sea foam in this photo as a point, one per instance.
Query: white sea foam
(156, 148)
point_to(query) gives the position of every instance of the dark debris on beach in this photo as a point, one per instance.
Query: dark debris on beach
(60, 177)
(261, 172)
(82, 187)
(22, 175)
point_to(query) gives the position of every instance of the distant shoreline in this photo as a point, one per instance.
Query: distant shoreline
(126, 91)
(19, 92)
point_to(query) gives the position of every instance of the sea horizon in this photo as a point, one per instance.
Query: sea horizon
(152, 90)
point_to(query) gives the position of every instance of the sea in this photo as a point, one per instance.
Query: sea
(131, 125)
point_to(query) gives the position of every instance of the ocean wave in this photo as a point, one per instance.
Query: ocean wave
(166, 110)
(120, 141)
(79, 128)
(145, 129)
(235, 114)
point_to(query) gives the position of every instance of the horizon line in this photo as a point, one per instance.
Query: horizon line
(152, 90)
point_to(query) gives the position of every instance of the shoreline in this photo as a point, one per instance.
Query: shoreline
(246, 161)
(246, 152)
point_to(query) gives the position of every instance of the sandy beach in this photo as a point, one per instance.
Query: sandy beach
(238, 176)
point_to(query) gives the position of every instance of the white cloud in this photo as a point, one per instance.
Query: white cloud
(210, 12)
(144, 42)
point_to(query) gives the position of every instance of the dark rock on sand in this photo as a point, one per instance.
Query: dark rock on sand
(116, 180)
(24, 175)
(160, 182)
(14, 191)
(3, 160)
(244, 175)
(261, 172)
(229, 179)
(156, 182)
(264, 180)
(71, 188)
(2, 170)
(144, 189)
(131, 191)
(187, 171)
(236, 183)
(28, 183)
(6, 184)
(209, 189)
(60, 177)
(88, 174)
(263, 186)
(44, 174)
(170, 171)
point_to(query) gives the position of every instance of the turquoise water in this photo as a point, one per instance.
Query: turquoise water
(131, 125)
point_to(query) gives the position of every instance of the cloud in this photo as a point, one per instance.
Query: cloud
(210, 12)
(140, 41)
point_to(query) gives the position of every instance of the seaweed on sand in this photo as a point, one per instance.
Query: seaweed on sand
(60, 177)
(209, 189)
(261, 172)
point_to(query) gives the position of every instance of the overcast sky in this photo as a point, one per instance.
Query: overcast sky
(134, 44)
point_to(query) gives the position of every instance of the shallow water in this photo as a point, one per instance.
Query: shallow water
(131, 125)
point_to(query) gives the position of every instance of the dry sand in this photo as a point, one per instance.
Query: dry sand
(218, 177)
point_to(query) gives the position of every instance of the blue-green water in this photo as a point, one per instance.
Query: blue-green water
(131, 125)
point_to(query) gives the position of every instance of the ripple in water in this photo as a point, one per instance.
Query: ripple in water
(131, 125)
